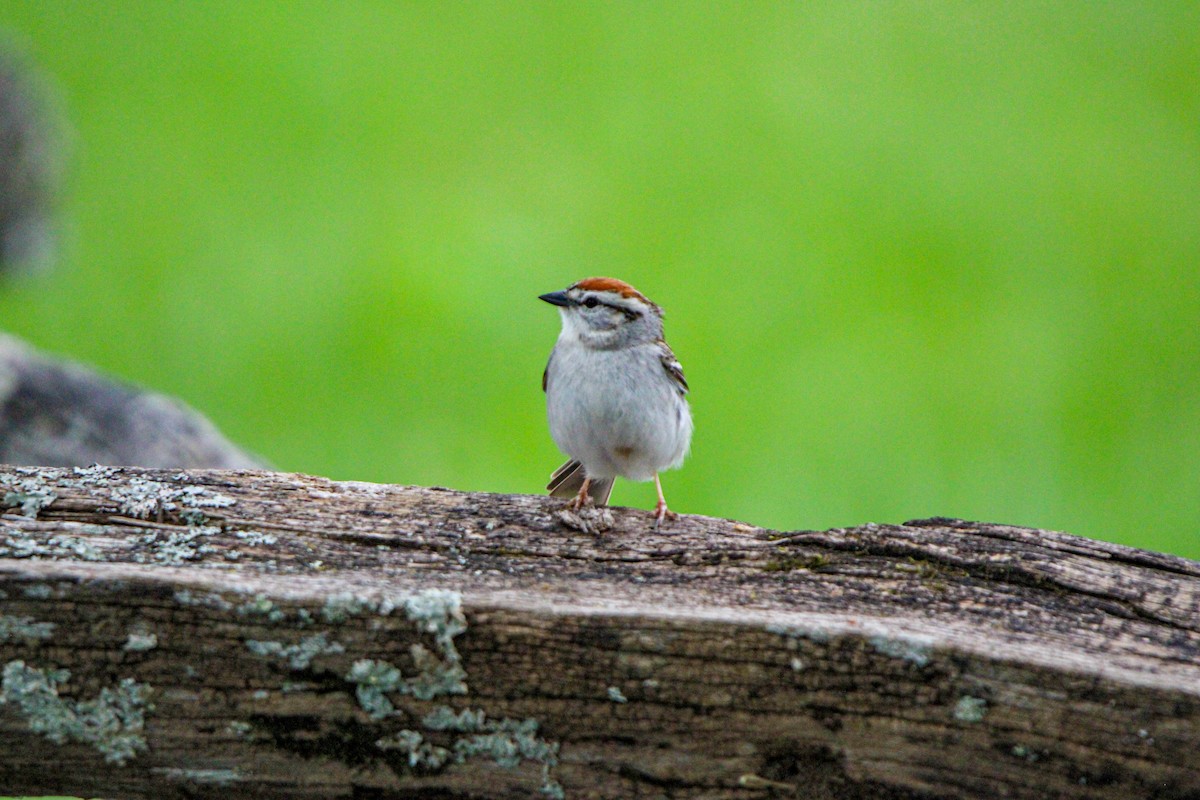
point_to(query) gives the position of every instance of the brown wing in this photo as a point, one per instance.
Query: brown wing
(673, 367)
(568, 479)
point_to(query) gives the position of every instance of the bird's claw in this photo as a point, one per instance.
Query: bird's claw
(661, 512)
(580, 501)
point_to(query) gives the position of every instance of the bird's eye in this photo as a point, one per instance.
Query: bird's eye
(591, 302)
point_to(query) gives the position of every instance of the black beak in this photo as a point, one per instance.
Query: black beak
(556, 299)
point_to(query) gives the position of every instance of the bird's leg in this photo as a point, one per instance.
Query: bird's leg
(661, 511)
(583, 498)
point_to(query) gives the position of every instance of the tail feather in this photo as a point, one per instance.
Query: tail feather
(567, 479)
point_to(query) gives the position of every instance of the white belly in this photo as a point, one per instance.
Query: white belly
(617, 412)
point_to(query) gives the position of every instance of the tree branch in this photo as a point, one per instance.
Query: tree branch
(255, 634)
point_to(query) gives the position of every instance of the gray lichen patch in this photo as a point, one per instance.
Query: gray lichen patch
(435, 676)
(420, 752)
(37, 591)
(29, 494)
(135, 496)
(214, 777)
(970, 709)
(508, 742)
(436, 612)
(65, 545)
(139, 642)
(175, 546)
(256, 538)
(240, 729)
(113, 723)
(143, 498)
(445, 718)
(298, 656)
(373, 680)
(262, 606)
(20, 545)
(213, 600)
(341, 607)
(439, 671)
(30, 502)
(794, 631)
(916, 650)
(1026, 753)
(24, 629)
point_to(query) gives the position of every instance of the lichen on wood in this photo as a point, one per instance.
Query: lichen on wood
(291, 636)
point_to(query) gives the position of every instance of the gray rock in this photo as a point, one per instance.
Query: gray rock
(57, 413)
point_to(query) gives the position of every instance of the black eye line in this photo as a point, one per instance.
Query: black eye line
(592, 302)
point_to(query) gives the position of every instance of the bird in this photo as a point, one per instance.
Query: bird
(616, 397)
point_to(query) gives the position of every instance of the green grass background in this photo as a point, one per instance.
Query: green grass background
(917, 258)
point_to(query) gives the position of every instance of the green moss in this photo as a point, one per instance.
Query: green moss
(113, 723)
(933, 573)
(789, 563)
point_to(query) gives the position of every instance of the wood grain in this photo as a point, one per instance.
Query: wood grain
(229, 634)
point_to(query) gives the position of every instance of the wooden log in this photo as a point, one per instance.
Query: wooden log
(255, 634)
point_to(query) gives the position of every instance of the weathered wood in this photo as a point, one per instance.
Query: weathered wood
(289, 636)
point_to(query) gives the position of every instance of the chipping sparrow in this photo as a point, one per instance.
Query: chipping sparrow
(614, 393)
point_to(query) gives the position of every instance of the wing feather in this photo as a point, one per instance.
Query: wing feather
(673, 367)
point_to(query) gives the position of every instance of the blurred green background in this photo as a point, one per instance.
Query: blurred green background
(917, 258)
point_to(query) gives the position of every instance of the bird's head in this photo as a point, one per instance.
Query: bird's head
(606, 313)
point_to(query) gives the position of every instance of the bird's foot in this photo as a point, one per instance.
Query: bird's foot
(580, 501)
(661, 512)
